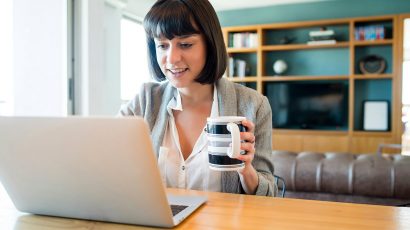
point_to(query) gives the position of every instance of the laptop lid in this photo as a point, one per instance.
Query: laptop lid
(88, 168)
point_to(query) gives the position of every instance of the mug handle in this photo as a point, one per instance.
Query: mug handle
(235, 149)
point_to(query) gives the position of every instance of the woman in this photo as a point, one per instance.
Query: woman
(187, 56)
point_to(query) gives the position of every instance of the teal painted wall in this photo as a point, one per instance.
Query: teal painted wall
(312, 11)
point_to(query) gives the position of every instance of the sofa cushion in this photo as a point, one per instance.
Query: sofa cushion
(373, 176)
(401, 176)
(384, 176)
(336, 173)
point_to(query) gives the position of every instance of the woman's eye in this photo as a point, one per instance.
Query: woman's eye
(161, 46)
(186, 45)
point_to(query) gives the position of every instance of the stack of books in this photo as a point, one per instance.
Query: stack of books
(244, 40)
(321, 37)
(237, 67)
(371, 32)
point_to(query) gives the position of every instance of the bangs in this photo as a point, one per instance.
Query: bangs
(171, 19)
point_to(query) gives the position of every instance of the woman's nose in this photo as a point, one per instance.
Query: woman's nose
(174, 55)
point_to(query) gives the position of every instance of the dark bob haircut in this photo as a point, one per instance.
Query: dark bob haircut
(171, 18)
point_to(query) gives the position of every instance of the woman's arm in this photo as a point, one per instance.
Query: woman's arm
(257, 176)
(131, 108)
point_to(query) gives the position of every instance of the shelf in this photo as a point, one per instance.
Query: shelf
(319, 23)
(372, 76)
(386, 52)
(308, 62)
(304, 46)
(242, 50)
(373, 133)
(374, 19)
(310, 132)
(243, 79)
(373, 42)
(371, 90)
(302, 78)
(238, 29)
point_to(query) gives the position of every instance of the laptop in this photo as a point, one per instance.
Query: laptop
(90, 168)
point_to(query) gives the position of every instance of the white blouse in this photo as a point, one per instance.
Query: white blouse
(194, 172)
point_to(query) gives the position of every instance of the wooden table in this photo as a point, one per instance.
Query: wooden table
(230, 211)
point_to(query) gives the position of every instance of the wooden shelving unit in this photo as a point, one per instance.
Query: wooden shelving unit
(303, 46)
(245, 79)
(372, 76)
(315, 64)
(241, 50)
(304, 78)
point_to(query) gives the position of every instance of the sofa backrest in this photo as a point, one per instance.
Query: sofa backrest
(343, 173)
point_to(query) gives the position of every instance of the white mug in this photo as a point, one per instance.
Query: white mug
(224, 142)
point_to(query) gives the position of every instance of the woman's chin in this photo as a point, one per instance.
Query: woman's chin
(177, 83)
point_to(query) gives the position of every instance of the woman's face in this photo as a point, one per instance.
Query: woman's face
(181, 59)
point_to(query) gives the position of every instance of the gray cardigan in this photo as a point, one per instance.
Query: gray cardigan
(234, 100)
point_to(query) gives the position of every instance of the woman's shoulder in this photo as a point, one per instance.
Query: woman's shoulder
(155, 89)
(153, 86)
(150, 95)
(244, 90)
(241, 91)
(150, 91)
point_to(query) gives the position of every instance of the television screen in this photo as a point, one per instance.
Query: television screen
(315, 105)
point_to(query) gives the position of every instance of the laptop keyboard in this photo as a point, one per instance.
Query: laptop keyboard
(177, 208)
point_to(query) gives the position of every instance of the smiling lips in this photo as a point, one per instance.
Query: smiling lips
(177, 72)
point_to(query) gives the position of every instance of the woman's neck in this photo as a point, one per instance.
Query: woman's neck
(197, 94)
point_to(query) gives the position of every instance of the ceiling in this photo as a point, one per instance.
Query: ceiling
(239, 4)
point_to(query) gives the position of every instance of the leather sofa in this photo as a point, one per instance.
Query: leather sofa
(343, 177)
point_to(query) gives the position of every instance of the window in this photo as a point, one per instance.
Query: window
(134, 63)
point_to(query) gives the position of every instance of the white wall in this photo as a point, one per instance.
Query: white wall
(139, 8)
(40, 57)
(112, 61)
(97, 60)
(89, 53)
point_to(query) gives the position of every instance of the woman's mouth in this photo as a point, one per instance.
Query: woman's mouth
(178, 72)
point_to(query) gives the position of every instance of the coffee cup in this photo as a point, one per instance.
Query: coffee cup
(224, 142)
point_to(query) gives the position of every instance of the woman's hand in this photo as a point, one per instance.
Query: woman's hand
(249, 177)
(249, 143)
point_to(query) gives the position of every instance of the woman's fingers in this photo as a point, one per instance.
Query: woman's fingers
(248, 137)
(250, 126)
(248, 157)
(248, 147)
(249, 142)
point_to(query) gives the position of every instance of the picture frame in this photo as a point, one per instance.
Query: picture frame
(376, 115)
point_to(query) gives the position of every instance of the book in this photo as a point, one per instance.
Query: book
(321, 33)
(244, 40)
(372, 32)
(237, 67)
(240, 68)
(231, 67)
(322, 42)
